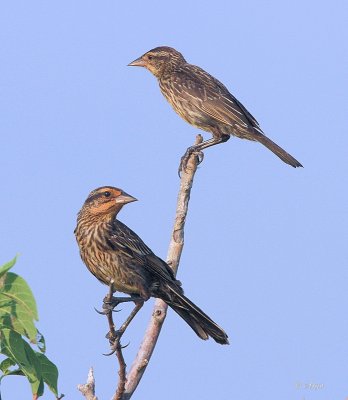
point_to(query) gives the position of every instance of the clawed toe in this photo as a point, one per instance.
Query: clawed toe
(107, 308)
(103, 312)
(184, 159)
(114, 340)
(200, 156)
(110, 353)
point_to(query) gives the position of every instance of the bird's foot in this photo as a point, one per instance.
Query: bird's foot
(114, 338)
(109, 304)
(184, 159)
(107, 308)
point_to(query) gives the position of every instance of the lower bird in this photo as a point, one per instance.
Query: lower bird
(117, 256)
(204, 102)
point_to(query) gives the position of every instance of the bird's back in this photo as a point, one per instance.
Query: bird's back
(205, 102)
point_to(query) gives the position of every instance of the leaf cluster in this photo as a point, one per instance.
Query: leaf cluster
(22, 346)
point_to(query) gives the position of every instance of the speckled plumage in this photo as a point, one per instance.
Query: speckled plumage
(112, 251)
(204, 102)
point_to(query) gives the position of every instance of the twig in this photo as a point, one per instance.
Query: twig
(88, 389)
(121, 373)
(112, 336)
(173, 258)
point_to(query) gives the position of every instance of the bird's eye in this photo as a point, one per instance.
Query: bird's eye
(107, 194)
(149, 57)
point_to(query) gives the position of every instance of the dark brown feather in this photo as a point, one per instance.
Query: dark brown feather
(204, 102)
(112, 251)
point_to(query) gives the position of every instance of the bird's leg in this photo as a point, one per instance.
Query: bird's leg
(114, 336)
(197, 148)
(123, 327)
(110, 303)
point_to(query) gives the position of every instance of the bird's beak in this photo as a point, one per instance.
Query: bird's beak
(125, 198)
(139, 62)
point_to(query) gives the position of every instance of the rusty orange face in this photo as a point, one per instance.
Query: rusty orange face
(107, 199)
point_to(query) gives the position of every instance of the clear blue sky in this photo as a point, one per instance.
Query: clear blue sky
(266, 245)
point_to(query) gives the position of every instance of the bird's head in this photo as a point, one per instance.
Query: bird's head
(105, 201)
(159, 60)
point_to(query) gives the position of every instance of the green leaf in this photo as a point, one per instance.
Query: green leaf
(24, 326)
(5, 305)
(21, 307)
(17, 349)
(16, 288)
(18, 313)
(6, 364)
(16, 372)
(37, 387)
(49, 372)
(4, 268)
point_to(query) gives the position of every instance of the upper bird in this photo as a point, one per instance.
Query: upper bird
(204, 102)
(117, 256)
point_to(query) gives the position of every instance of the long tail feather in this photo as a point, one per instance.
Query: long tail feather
(195, 317)
(278, 151)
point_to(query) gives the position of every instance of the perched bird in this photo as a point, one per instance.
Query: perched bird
(204, 102)
(117, 256)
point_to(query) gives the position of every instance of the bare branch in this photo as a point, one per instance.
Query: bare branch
(121, 373)
(88, 389)
(117, 348)
(173, 258)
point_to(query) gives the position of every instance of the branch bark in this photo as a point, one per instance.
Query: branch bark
(118, 350)
(173, 258)
(88, 389)
(121, 374)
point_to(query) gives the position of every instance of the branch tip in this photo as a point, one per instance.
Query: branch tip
(88, 389)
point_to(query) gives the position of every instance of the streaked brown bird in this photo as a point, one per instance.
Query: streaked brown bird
(113, 252)
(204, 102)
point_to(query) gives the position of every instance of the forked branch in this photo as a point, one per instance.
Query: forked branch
(127, 385)
(173, 258)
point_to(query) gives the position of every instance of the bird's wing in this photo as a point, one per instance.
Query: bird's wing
(128, 242)
(212, 97)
